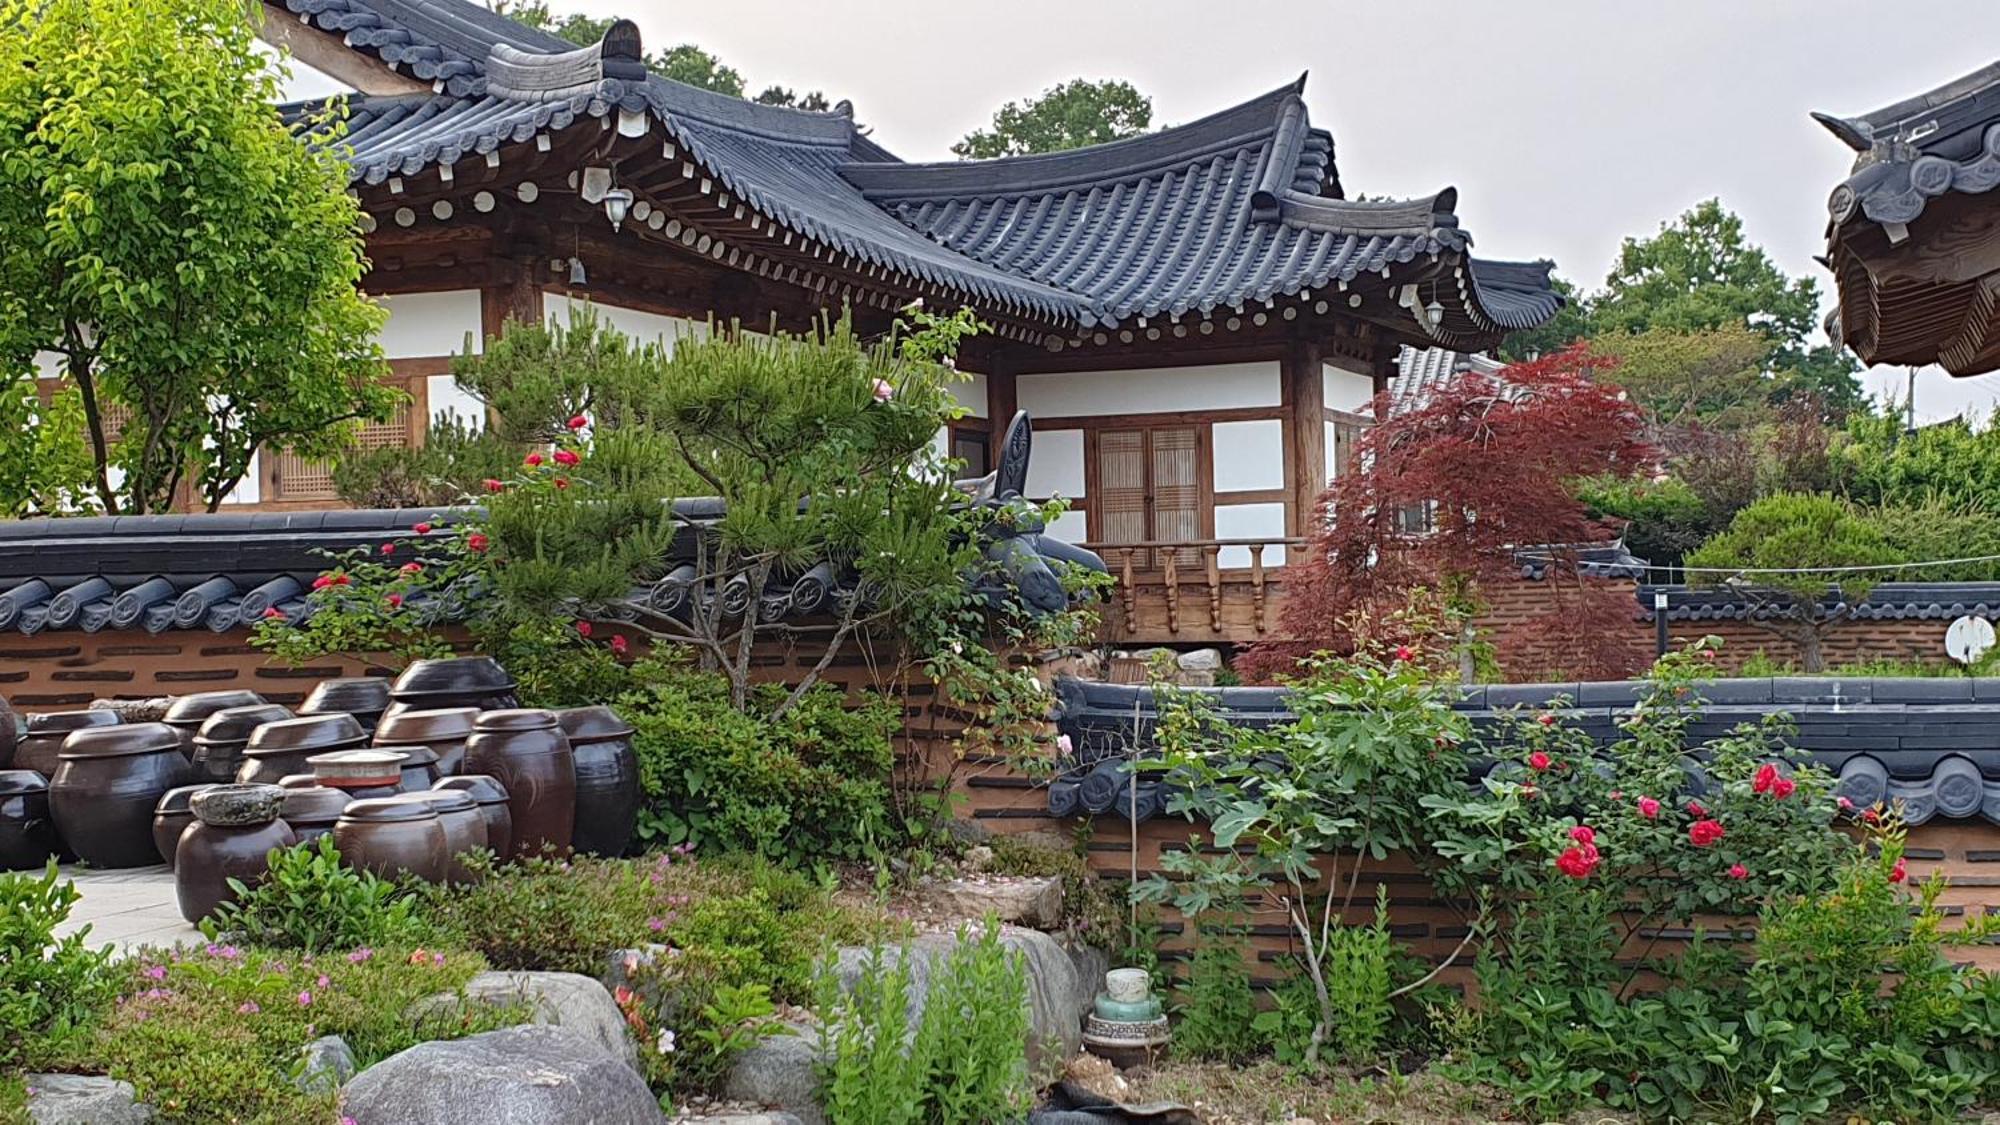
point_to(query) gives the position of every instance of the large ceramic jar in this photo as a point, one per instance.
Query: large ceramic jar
(312, 810)
(419, 765)
(607, 779)
(234, 830)
(219, 743)
(281, 748)
(391, 836)
(45, 732)
(364, 697)
(104, 792)
(171, 816)
(189, 712)
(527, 752)
(10, 734)
(464, 828)
(361, 773)
(443, 730)
(463, 681)
(491, 797)
(27, 831)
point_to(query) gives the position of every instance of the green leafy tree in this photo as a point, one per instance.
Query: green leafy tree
(192, 267)
(1784, 552)
(1068, 115)
(1712, 376)
(1957, 462)
(1700, 273)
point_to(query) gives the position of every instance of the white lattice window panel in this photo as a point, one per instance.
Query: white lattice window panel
(300, 478)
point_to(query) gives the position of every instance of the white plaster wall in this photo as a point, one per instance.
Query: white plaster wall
(49, 365)
(643, 327)
(422, 324)
(1332, 465)
(1219, 386)
(251, 488)
(1055, 467)
(1249, 455)
(1250, 521)
(447, 398)
(1071, 527)
(971, 393)
(1346, 389)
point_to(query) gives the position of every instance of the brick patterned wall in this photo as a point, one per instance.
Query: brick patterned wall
(67, 670)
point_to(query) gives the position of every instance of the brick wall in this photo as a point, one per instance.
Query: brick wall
(65, 670)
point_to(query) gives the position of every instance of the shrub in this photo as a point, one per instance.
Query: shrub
(310, 900)
(51, 988)
(455, 457)
(966, 1063)
(214, 1035)
(1217, 1010)
(1091, 913)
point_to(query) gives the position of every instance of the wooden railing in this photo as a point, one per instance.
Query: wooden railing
(1155, 588)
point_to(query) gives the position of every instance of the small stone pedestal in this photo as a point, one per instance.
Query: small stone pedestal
(1127, 1026)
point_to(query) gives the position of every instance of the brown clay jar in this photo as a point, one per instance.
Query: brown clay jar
(45, 732)
(312, 810)
(464, 828)
(219, 743)
(364, 697)
(27, 830)
(10, 734)
(360, 773)
(189, 712)
(277, 750)
(443, 730)
(234, 830)
(607, 779)
(173, 814)
(391, 837)
(528, 754)
(105, 790)
(491, 797)
(462, 681)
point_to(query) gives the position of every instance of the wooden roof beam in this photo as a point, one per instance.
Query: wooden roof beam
(330, 55)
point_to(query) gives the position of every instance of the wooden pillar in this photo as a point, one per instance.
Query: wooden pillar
(1380, 370)
(518, 297)
(1304, 391)
(1001, 399)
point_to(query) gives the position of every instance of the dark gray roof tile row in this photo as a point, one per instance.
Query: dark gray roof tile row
(1888, 601)
(1944, 140)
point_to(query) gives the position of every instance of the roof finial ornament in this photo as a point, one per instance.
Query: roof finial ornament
(621, 41)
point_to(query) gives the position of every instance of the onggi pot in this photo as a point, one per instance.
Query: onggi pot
(189, 712)
(276, 750)
(10, 734)
(419, 765)
(312, 810)
(391, 836)
(234, 830)
(27, 831)
(491, 797)
(362, 773)
(443, 730)
(527, 752)
(464, 828)
(45, 732)
(364, 697)
(463, 681)
(607, 779)
(173, 814)
(219, 743)
(105, 790)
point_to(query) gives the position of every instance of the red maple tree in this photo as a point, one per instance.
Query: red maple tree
(1443, 494)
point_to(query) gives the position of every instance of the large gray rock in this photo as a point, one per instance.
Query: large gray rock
(533, 1075)
(329, 1063)
(780, 1071)
(1035, 901)
(568, 1000)
(1056, 998)
(76, 1099)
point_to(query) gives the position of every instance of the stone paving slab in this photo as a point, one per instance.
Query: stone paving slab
(128, 908)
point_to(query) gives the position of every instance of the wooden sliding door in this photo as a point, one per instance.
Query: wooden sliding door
(1149, 486)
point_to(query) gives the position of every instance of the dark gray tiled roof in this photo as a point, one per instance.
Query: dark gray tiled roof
(1593, 560)
(1236, 207)
(1888, 601)
(1944, 140)
(1934, 745)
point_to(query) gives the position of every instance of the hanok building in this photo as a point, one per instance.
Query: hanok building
(1913, 237)
(1197, 319)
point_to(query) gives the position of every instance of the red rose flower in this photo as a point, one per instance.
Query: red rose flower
(475, 542)
(578, 422)
(560, 483)
(323, 581)
(619, 645)
(1845, 804)
(583, 628)
(1695, 809)
(1404, 652)
(1578, 862)
(1546, 719)
(565, 457)
(1738, 871)
(493, 485)
(1704, 833)
(1583, 834)
(1783, 788)
(1767, 776)
(272, 613)
(1538, 761)
(412, 568)
(532, 460)
(422, 528)
(395, 601)
(1649, 808)
(388, 548)
(1900, 871)
(1871, 816)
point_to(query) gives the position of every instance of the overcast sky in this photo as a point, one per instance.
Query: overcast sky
(1567, 125)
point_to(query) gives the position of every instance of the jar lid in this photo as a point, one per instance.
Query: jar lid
(415, 755)
(443, 800)
(190, 710)
(120, 741)
(227, 805)
(297, 781)
(444, 724)
(593, 724)
(481, 787)
(357, 765)
(231, 726)
(14, 782)
(462, 675)
(347, 695)
(307, 732)
(62, 722)
(515, 718)
(179, 800)
(313, 804)
(382, 809)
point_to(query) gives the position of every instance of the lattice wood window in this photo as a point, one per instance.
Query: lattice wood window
(295, 478)
(1149, 488)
